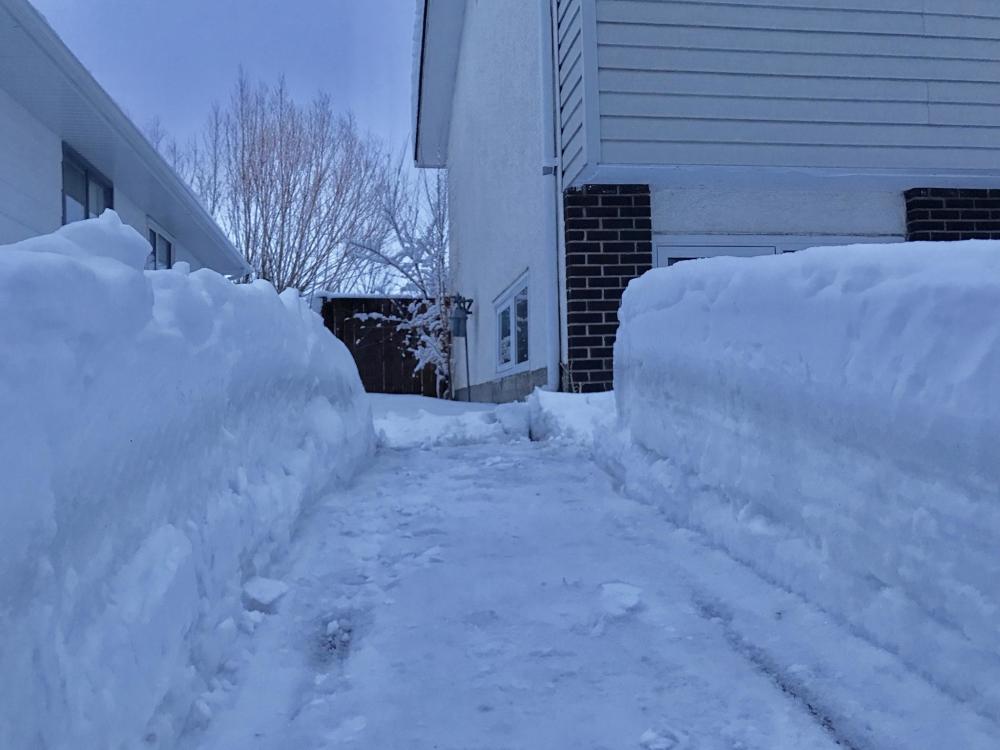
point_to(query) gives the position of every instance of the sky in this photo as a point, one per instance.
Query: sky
(172, 58)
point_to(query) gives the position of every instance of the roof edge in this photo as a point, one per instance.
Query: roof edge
(438, 38)
(38, 28)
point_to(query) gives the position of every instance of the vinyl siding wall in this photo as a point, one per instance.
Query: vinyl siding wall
(573, 111)
(31, 182)
(30, 174)
(869, 84)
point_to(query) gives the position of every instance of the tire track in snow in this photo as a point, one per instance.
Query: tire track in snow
(794, 689)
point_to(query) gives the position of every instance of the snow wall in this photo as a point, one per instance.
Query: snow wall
(159, 435)
(832, 418)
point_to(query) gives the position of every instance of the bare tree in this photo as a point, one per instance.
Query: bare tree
(205, 166)
(414, 210)
(292, 184)
(295, 183)
(167, 145)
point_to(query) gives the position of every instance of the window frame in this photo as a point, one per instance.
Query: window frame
(90, 174)
(507, 301)
(678, 247)
(153, 227)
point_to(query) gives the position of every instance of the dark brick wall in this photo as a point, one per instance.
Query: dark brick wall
(609, 241)
(952, 214)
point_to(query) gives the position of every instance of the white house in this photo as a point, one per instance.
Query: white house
(67, 152)
(588, 140)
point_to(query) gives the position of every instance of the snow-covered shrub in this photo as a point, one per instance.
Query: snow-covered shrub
(159, 434)
(832, 418)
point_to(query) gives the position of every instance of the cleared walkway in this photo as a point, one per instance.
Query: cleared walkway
(504, 595)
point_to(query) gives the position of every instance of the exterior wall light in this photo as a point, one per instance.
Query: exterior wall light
(461, 309)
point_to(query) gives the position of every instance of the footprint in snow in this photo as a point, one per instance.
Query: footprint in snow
(662, 739)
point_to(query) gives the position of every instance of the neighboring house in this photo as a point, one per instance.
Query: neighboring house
(589, 140)
(67, 152)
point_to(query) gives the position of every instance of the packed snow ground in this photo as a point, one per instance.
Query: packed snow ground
(500, 593)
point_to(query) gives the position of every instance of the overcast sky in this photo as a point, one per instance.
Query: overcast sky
(172, 58)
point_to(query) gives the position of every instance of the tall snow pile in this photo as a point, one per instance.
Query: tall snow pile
(832, 419)
(159, 434)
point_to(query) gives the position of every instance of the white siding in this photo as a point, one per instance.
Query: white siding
(31, 181)
(30, 174)
(865, 84)
(573, 111)
(871, 214)
(132, 213)
(495, 170)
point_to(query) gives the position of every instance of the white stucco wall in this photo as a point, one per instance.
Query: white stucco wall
(30, 174)
(495, 171)
(765, 211)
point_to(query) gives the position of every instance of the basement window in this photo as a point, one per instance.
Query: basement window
(86, 193)
(512, 327)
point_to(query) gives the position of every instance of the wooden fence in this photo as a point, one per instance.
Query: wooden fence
(380, 351)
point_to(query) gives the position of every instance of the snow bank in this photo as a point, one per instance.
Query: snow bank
(160, 433)
(571, 417)
(831, 418)
(419, 422)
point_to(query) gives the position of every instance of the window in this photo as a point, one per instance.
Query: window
(512, 327)
(669, 255)
(86, 192)
(503, 355)
(673, 249)
(161, 254)
(521, 325)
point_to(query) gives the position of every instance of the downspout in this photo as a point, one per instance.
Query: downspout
(552, 193)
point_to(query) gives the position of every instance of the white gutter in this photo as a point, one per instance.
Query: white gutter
(552, 192)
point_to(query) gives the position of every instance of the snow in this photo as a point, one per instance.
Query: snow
(619, 599)
(786, 541)
(417, 421)
(162, 434)
(262, 594)
(571, 417)
(502, 593)
(829, 418)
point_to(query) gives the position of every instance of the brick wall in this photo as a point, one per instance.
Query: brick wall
(609, 241)
(952, 214)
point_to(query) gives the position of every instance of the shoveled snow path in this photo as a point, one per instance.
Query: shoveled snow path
(505, 596)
